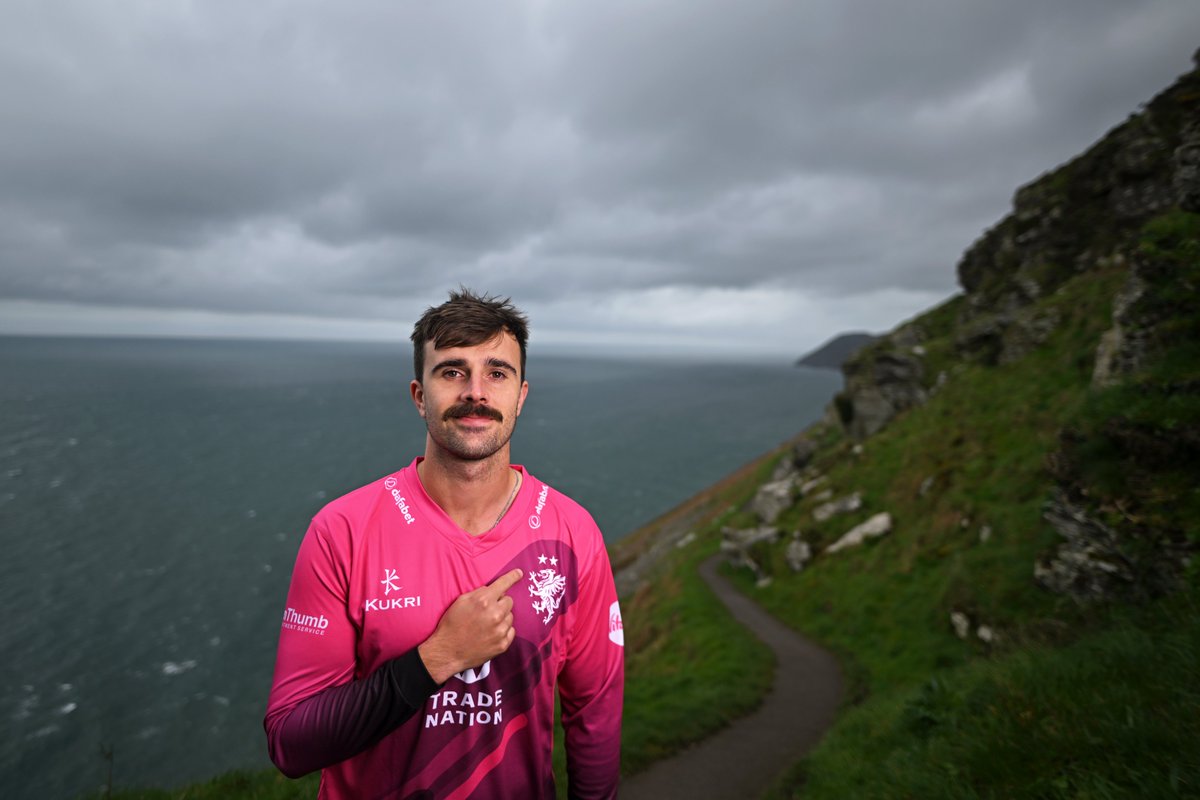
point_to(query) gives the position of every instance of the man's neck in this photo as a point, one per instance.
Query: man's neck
(474, 494)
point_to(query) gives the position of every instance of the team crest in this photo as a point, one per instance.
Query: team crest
(546, 588)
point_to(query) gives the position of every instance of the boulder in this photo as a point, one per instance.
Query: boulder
(808, 486)
(876, 526)
(736, 544)
(961, 624)
(842, 505)
(741, 538)
(798, 553)
(773, 498)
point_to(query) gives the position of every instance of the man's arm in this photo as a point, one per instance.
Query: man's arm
(592, 685)
(318, 715)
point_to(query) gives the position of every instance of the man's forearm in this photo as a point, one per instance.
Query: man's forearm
(345, 720)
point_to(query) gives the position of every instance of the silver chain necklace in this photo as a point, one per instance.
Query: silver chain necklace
(511, 497)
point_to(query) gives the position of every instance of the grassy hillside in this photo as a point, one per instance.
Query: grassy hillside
(1069, 699)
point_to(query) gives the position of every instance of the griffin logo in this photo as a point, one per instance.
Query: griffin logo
(546, 587)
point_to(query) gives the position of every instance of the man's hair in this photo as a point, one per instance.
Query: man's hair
(465, 320)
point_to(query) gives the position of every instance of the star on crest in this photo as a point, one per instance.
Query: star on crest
(542, 559)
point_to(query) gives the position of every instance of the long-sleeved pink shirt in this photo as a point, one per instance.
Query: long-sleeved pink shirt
(374, 574)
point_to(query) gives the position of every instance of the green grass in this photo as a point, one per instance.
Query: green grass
(1071, 701)
(1090, 720)
(983, 440)
(244, 784)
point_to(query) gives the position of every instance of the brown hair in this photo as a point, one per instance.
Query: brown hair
(467, 319)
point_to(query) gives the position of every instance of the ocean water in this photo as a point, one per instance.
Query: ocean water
(153, 494)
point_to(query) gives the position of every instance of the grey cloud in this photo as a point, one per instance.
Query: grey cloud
(344, 159)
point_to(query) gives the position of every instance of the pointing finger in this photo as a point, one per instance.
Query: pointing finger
(505, 581)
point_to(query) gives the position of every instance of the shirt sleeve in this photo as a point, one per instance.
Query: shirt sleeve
(592, 685)
(318, 714)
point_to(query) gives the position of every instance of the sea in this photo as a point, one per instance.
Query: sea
(153, 494)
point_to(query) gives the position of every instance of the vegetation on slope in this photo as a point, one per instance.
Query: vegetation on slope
(1068, 699)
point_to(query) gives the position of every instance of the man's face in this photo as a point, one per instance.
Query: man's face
(470, 397)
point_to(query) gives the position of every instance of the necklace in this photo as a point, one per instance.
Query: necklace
(503, 511)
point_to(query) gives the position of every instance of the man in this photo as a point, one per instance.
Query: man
(432, 612)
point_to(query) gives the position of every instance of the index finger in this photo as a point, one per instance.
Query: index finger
(505, 581)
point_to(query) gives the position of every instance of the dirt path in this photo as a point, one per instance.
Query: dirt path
(741, 761)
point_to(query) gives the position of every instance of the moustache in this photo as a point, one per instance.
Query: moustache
(472, 410)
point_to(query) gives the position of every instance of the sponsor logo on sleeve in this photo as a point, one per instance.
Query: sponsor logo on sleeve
(294, 620)
(616, 631)
(546, 587)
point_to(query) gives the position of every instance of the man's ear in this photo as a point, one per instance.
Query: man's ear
(418, 396)
(521, 398)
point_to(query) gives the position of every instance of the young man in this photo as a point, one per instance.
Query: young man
(432, 612)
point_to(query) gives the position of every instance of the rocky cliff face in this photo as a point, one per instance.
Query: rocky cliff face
(1077, 218)
(1128, 206)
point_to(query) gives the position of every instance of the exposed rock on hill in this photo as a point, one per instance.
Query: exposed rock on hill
(1127, 212)
(881, 381)
(1078, 218)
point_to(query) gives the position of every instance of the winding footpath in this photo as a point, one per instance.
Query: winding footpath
(741, 761)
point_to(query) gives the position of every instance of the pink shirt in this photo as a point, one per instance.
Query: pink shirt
(374, 574)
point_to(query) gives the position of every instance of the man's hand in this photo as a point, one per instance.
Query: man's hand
(477, 626)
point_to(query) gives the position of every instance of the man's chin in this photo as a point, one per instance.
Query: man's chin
(464, 451)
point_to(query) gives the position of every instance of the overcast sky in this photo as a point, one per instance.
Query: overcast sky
(750, 176)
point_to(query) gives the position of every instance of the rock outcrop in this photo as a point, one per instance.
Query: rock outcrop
(842, 505)
(876, 526)
(1074, 219)
(1089, 565)
(881, 381)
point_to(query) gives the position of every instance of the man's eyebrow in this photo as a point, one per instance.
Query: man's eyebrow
(449, 362)
(500, 362)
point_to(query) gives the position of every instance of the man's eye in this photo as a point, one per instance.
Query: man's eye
(451, 373)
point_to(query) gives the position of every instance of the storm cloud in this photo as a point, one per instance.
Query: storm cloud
(750, 176)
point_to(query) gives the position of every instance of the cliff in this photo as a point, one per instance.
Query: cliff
(995, 525)
(1084, 217)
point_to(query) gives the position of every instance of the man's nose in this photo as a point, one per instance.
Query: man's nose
(475, 389)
